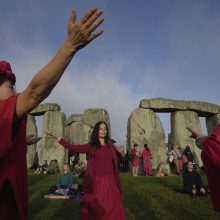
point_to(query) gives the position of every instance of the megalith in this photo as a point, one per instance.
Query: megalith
(144, 126)
(31, 149)
(54, 122)
(181, 136)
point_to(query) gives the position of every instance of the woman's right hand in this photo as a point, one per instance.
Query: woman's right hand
(82, 32)
(53, 136)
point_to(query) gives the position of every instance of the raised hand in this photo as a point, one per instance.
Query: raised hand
(194, 133)
(120, 149)
(82, 32)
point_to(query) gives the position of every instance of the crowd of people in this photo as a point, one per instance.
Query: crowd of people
(102, 186)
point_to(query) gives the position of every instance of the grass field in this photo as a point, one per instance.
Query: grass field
(152, 198)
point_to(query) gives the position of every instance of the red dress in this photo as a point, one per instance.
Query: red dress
(147, 163)
(103, 196)
(12, 164)
(135, 156)
(211, 160)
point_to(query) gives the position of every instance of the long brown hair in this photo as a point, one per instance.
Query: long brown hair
(94, 140)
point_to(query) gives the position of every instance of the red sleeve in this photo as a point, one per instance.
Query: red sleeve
(7, 109)
(212, 147)
(78, 148)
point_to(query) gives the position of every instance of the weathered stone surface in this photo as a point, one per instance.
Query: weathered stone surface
(74, 118)
(31, 149)
(42, 108)
(144, 126)
(49, 149)
(212, 122)
(79, 133)
(170, 105)
(93, 115)
(180, 135)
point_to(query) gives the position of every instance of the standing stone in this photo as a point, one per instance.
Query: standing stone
(144, 127)
(31, 149)
(49, 149)
(181, 136)
(79, 133)
(93, 115)
(212, 122)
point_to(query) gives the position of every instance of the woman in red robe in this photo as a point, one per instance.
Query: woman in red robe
(147, 163)
(15, 107)
(210, 146)
(103, 195)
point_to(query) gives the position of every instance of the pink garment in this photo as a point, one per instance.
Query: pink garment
(103, 197)
(135, 155)
(104, 202)
(13, 160)
(147, 163)
(211, 159)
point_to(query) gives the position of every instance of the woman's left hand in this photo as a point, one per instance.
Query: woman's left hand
(120, 149)
(32, 139)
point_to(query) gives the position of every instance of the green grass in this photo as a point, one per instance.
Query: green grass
(146, 198)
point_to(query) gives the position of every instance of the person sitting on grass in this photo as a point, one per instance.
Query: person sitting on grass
(163, 169)
(65, 182)
(192, 183)
(53, 167)
(42, 168)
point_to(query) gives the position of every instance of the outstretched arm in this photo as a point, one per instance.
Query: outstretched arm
(78, 148)
(79, 35)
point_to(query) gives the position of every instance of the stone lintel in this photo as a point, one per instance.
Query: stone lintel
(42, 108)
(162, 105)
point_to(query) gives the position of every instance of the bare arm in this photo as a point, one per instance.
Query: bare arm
(79, 35)
(198, 136)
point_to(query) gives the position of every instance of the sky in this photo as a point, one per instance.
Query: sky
(149, 49)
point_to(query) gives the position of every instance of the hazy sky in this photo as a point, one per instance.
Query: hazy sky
(150, 48)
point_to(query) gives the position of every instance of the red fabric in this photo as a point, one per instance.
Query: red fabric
(211, 160)
(147, 164)
(105, 201)
(5, 68)
(95, 175)
(135, 160)
(13, 155)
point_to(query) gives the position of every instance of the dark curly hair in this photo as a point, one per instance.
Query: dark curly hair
(3, 78)
(94, 140)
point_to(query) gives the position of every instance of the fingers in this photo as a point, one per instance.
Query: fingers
(30, 135)
(89, 14)
(95, 25)
(93, 18)
(73, 16)
(95, 35)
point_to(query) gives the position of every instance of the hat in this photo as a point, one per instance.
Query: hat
(5, 68)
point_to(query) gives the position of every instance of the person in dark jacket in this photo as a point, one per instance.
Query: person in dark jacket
(192, 183)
